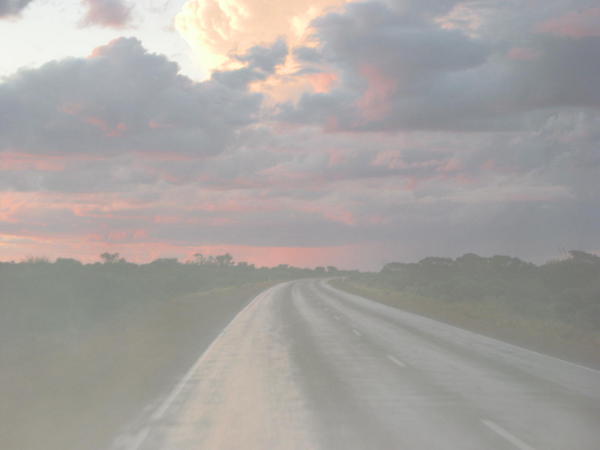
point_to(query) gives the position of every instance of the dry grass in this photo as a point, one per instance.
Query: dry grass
(495, 320)
(80, 395)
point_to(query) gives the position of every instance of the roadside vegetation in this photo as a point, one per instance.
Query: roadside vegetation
(85, 347)
(552, 308)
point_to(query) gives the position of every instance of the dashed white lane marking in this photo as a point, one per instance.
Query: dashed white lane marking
(140, 438)
(518, 443)
(396, 361)
(336, 317)
(356, 332)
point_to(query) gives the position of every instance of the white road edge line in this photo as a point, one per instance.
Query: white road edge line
(518, 443)
(140, 438)
(356, 332)
(143, 434)
(396, 361)
(326, 285)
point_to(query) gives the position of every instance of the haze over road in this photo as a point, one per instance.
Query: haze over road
(306, 366)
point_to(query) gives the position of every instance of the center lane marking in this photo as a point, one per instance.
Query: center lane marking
(356, 332)
(518, 443)
(396, 361)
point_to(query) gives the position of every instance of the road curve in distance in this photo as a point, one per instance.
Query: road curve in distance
(307, 366)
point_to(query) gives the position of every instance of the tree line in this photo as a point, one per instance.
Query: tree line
(568, 288)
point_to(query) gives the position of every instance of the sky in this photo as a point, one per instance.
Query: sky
(326, 132)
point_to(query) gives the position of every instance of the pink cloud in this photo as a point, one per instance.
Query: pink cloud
(391, 159)
(331, 213)
(107, 13)
(155, 125)
(110, 131)
(344, 256)
(576, 24)
(10, 206)
(108, 222)
(331, 124)
(25, 161)
(120, 236)
(452, 165)
(87, 248)
(411, 184)
(375, 102)
(522, 54)
(337, 156)
(77, 110)
(322, 82)
(489, 165)
(71, 108)
(341, 216)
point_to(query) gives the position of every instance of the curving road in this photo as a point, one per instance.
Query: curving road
(306, 366)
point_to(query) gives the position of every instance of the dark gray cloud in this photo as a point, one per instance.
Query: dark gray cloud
(452, 126)
(416, 10)
(260, 62)
(121, 99)
(103, 13)
(398, 72)
(266, 59)
(12, 7)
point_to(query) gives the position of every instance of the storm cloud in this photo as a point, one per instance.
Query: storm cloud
(120, 99)
(398, 72)
(389, 131)
(12, 7)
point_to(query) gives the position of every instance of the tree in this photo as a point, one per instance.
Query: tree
(394, 267)
(199, 259)
(437, 261)
(70, 262)
(111, 258)
(225, 260)
(584, 257)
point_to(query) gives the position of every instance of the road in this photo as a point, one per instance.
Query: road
(306, 366)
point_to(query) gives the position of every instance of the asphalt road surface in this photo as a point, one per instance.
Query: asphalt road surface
(306, 366)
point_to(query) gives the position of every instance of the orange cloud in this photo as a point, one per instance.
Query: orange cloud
(216, 29)
(322, 82)
(287, 85)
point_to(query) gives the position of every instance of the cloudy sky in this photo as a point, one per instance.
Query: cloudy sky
(300, 132)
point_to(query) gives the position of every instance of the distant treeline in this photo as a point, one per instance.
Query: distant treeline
(84, 347)
(553, 307)
(37, 295)
(568, 288)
